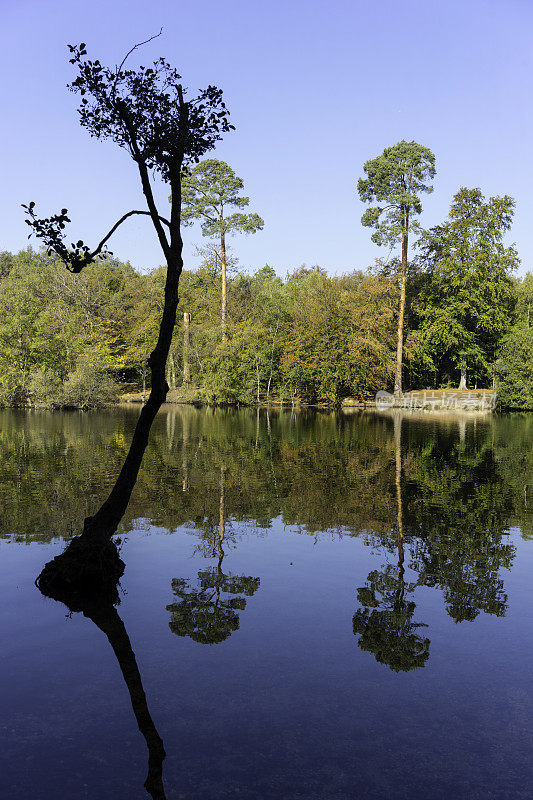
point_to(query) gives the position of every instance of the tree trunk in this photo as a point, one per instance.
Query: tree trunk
(223, 260)
(222, 506)
(104, 523)
(171, 371)
(462, 382)
(185, 453)
(401, 313)
(186, 349)
(398, 475)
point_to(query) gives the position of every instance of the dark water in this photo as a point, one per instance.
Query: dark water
(319, 607)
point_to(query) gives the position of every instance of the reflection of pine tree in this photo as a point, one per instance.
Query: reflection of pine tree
(204, 613)
(385, 625)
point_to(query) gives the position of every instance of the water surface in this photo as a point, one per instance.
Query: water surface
(319, 607)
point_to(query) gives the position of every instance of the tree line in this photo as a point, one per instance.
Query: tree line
(72, 340)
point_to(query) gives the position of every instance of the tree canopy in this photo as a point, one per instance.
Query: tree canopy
(466, 304)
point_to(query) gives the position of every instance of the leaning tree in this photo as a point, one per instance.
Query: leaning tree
(394, 182)
(146, 112)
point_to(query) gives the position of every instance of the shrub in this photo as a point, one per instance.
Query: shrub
(87, 387)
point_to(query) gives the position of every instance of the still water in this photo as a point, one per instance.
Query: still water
(314, 607)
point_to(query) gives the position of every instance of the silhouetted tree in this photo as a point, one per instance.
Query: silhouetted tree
(145, 112)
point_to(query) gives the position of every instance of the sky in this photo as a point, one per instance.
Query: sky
(315, 89)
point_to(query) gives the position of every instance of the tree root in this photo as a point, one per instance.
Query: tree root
(89, 568)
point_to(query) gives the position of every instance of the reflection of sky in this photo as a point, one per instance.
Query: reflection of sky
(288, 698)
(315, 90)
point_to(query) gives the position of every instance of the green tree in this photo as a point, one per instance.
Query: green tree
(206, 614)
(465, 307)
(208, 189)
(514, 369)
(394, 182)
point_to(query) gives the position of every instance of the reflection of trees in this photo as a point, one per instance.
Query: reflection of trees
(107, 619)
(316, 471)
(462, 487)
(457, 497)
(385, 622)
(101, 610)
(514, 456)
(206, 613)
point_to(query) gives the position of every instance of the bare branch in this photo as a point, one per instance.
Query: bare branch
(135, 46)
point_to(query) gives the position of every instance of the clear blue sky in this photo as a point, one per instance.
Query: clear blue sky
(315, 90)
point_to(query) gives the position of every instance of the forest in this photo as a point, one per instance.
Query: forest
(452, 315)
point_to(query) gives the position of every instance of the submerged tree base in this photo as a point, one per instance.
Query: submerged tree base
(88, 567)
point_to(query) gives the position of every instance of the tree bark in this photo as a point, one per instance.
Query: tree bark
(462, 382)
(171, 371)
(401, 314)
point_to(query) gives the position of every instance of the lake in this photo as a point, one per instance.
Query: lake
(314, 607)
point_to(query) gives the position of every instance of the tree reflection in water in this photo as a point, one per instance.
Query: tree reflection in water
(203, 613)
(453, 503)
(100, 609)
(385, 623)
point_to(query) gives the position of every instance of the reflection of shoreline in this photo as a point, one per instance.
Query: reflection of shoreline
(317, 471)
(420, 415)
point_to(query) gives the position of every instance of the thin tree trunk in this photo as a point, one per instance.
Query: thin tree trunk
(186, 349)
(398, 474)
(104, 523)
(462, 382)
(401, 314)
(185, 452)
(223, 260)
(222, 507)
(171, 371)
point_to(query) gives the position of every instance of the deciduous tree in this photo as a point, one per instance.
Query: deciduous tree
(465, 307)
